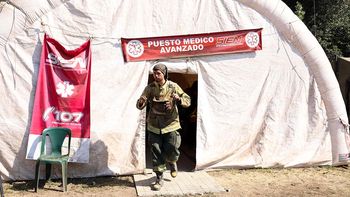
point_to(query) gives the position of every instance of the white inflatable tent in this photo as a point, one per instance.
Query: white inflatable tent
(278, 107)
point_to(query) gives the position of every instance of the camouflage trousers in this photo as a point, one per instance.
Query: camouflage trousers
(164, 148)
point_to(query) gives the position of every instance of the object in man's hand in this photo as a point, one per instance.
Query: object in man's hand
(168, 105)
(159, 107)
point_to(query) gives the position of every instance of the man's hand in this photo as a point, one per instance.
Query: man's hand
(176, 97)
(142, 101)
(168, 105)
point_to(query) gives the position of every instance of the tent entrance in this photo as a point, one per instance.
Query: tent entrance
(188, 119)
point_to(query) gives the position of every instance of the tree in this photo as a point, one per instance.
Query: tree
(329, 21)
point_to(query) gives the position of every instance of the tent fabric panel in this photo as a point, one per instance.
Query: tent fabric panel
(319, 65)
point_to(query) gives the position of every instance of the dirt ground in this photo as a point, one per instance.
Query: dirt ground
(317, 181)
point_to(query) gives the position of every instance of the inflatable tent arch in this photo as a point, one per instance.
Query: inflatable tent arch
(279, 107)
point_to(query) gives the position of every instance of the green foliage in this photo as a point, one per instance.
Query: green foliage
(299, 10)
(333, 27)
(329, 21)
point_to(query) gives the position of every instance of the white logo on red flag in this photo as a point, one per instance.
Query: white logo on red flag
(135, 48)
(64, 89)
(252, 39)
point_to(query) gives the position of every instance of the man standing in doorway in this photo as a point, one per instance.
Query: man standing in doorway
(163, 122)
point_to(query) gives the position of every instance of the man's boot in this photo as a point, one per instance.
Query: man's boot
(173, 169)
(159, 181)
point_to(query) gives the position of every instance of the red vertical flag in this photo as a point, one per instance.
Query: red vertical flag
(62, 97)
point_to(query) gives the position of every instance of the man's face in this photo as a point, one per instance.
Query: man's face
(158, 76)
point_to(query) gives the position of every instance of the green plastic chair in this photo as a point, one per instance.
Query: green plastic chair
(57, 135)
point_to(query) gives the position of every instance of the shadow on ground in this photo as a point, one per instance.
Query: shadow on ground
(56, 184)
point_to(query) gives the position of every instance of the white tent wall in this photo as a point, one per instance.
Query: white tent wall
(275, 107)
